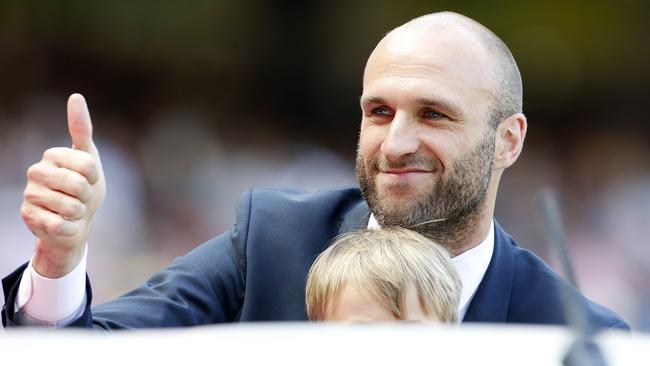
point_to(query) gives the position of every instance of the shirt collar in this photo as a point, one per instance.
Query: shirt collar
(471, 266)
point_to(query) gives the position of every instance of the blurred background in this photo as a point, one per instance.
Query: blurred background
(195, 102)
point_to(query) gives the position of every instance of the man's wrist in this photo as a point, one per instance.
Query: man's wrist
(49, 301)
(53, 262)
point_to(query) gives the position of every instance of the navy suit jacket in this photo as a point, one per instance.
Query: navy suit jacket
(257, 272)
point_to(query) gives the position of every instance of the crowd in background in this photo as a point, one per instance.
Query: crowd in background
(192, 107)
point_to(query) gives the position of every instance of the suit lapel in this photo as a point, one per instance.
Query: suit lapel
(492, 298)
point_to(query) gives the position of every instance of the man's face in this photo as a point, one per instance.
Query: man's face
(425, 148)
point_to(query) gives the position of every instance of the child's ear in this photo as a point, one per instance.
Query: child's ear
(509, 140)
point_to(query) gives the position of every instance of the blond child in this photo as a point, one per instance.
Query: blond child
(383, 275)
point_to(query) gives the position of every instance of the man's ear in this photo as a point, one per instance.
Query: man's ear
(509, 140)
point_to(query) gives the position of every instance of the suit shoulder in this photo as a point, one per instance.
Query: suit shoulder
(537, 286)
(299, 195)
(284, 200)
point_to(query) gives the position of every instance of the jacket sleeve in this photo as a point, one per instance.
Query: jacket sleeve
(205, 286)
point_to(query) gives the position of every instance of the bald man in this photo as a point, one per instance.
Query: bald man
(441, 120)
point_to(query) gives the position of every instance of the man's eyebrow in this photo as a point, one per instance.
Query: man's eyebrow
(372, 99)
(445, 104)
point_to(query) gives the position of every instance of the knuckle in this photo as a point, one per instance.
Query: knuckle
(64, 209)
(31, 220)
(26, 213)
(31, 197)
(80, 210)
(34, 172)
(84, 192)
(79, 187)
(51, 153)
(29, 194)
(33, 193)
(71, 183)
(74, 210)
(88, 165)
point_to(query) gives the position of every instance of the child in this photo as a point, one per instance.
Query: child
(383, 275)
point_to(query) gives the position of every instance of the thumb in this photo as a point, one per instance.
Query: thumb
(79, 125)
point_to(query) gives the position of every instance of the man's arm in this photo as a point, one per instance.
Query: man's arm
(63, 192)
(205, 286)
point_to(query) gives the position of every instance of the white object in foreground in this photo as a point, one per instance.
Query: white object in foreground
(315, 344)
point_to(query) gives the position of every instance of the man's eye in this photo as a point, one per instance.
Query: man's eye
(381, 111)
(433, 115)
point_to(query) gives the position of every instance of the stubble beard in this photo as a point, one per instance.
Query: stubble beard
(457, 197)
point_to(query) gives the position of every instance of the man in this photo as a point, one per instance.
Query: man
(441, 120)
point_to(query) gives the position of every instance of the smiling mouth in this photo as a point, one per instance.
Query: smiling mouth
(404, 171)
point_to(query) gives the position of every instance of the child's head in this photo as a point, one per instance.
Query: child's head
(382, 275)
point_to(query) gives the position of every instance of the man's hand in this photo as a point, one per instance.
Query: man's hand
(63, 192)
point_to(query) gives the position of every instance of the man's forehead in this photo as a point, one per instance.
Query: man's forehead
(423, 53)
(444, 46)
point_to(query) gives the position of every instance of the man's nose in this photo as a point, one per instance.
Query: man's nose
(401, 138)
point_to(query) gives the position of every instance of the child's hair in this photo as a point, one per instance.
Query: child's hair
(382, 264)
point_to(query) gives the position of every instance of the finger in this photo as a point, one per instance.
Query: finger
(79, 124)
(76, 160)
(62, 180)
(44, 222)
(56, 202)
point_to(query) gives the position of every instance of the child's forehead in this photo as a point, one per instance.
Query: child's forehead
(353, 304)
(358, 305)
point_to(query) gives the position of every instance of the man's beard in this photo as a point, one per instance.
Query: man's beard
(450, 211)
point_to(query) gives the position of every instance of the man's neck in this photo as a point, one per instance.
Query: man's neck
(471, 237)
(475, 227)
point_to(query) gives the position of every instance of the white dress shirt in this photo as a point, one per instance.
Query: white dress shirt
(59, 302)
(470, 265)
(52, 302)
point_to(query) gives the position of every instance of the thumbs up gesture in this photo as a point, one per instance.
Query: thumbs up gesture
(63, 192)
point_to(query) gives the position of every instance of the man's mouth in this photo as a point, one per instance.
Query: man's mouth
(404, 170)
(403, 177)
